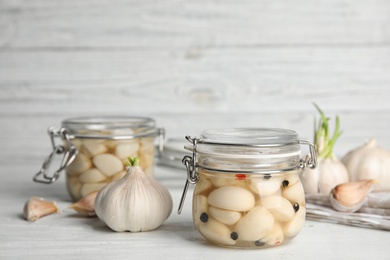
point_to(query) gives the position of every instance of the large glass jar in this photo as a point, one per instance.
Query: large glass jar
(248, 193)
(95, 150)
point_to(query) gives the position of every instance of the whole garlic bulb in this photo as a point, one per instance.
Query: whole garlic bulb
(329, 173)
(134, 203)
(369, 161)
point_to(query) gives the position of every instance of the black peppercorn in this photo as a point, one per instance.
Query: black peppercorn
(204, 217)
(296, 207)
(285, 183)
(234, 235)
(267, 176)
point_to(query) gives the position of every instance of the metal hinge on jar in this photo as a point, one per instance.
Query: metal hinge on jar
(309, 161)
(192, 173)
(69, 151)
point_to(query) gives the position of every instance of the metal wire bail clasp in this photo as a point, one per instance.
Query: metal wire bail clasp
(309, 161)
(161, 137)
(192, 174)
(69, 152)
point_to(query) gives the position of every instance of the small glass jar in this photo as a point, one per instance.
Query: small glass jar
(96, 148)
(248, 193)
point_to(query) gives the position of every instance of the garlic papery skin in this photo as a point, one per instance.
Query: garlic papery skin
(329, 173)
(369, 161)
(332, 173)
(35, 208)
(134, 203)
(349, 197)
(86, 206)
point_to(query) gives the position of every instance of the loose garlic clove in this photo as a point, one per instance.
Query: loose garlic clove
(35, 208)
(86, 206)
(350, 196)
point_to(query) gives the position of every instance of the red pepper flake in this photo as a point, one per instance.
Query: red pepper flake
(240, 176)
(277, 242)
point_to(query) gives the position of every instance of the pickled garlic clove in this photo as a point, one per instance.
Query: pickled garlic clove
(232, 198)
(124, 149)
(294, 193)
(79, 165)
(92, 176)
(217, 232)
(108, 164)
(281, 208)
(118, 175)
(74, 187)
(255, 225)
(86, 206)
(265, 188)
(275, 237)
(35, 208)
(292, 228)
(227, 217)
(93, 148)
(350, 196)
(200, 206)
(87, 188)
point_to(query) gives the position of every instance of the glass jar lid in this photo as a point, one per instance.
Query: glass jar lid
(250, 136)
(247, 149)
(112, 127)
(248, 143)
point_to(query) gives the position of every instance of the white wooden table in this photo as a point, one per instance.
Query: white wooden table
(68, 236)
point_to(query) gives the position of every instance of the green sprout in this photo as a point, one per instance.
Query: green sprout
(322, 140)
(132, 162)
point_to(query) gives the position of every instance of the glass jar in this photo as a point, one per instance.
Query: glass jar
(95, 150)
(248, 193)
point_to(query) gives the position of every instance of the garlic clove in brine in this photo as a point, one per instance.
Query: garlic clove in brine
(86, 206)
(349, 197)
(35, 208)
(134, 203)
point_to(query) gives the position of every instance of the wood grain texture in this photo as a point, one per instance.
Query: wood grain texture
(193, 65)
(173, 23)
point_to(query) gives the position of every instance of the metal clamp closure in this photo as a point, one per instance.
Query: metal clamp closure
(161, 137)
(192, 173)
(309, 161)
(68, 150)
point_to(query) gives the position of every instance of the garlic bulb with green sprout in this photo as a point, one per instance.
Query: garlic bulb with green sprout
(330, 171)
(369, 161)
(133, 203)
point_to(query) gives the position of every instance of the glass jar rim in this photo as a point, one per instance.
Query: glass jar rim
(244, 144)
(250, 136)
(145, 126)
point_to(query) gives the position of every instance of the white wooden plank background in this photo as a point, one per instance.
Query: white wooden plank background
(193, 65)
